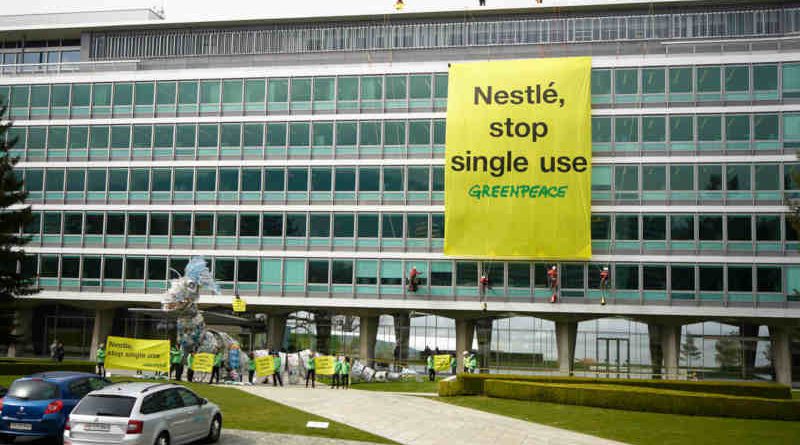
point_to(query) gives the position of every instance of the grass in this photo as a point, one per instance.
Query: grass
(244, 411)
(638, 427)
(407, 386)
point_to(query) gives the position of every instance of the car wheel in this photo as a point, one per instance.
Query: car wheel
(162, 439)
(215, 430)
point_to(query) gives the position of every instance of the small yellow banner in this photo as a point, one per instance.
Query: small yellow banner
(239, 305)
(518, 159)
(265, 365)
(203, 362)
(137, 355)
(441, 363)
(324, 364)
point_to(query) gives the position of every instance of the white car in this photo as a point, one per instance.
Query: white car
(143, 414)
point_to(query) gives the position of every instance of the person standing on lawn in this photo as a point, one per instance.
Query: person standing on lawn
(176, 362)
(337, 369)
(216, 367)
(311, 370)
(251, 368)
(276, 376)
(190, 367)
(101, 360)
(431, 369)
(345, 378)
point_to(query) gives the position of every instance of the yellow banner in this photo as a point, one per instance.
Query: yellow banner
(203, 362)
(324, 364)
(137, 355)
(441, 363)
(239, 305)
(265, 365)
(518, 163)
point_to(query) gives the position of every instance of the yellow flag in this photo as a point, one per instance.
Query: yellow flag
(138, 355)
(203, 362)
(441, 363)
(518, 159)
(324, 364)
(265, 365)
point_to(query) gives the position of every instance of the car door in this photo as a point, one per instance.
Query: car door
(176, 416)
(198, 418)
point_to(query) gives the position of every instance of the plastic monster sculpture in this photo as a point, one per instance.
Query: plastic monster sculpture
(182, 298)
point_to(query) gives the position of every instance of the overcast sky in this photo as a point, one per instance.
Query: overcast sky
(189, 10)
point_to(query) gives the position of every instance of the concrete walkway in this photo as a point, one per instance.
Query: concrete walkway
(240, 437)
(418, 420)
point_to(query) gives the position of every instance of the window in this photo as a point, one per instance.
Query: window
(710, 177)
(367, 225)
(276, 135)
(626, 277)
(368, 179)
(601, 129)
(231, 135)
(441, 273)
(342, 272)
(209, 92)
(737, 78)
(118, 180)
(254, 90)
(680, 80)
(765, 77)
(248, 225)
(653, 80)
(299, 134)
(301, 90)
(654, 177)
(296, 225)
(367, 272)
(232, 92)
(683, 278)
(181, 224)
(681, 129)
(654, 129)
(626, 129)
(392, 225)
(274, 180)
(134, 268)
(711, 278)
(73, 224)
(123, 94)
(418, 179)
(417, 226)
(601, 227)
(203, 224)
(253, 135)
(228, 180)
(655, 277)
(572, 276)
(710, 228)
(654, 227)
(371, 88)
(323, 134)
(740, 279)
(420, 86)
(769, 279)
(156, 268)
(739, 228)
(75, 180)
(343, 225)
(251, 180)
(682, 227)
(437, 226)
(708, 79)
(140, 180)
(273, 225)
(320, 225)
(737, 127)
(626, 81)
(324, 89)
(626, 177)
(709, 128)
(768, 228)
(346, 134)
(318, 271)
(369, 133)
(392, 179)
(737, 177)
(765, 127)
(70, 267)
(345, 180)
(297, 180)
(767, 177)
(226, 225)
(466, 274)
(681, 177)
(601, 82)
(627, 227)
(224, 270)
(519, 275)
(278, 90)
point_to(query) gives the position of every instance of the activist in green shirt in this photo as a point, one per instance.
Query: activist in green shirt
(311, 370)
(101, 360)
(337, 370)
(345, 373)
(431, 369)
(217, 364)
(251, 367)
(190, 367)
(276, 376)
(176, 362)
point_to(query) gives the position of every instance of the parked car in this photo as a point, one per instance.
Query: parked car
(143, 414)
(3, 391)
(38, 405)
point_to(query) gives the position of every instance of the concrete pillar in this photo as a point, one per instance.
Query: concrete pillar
(670, 347)
(749, 346)
(103, 323)
(368, 336)
(21, 333)
(566, 335)
(483, 329)
(465, 330)
(656, 354)
(781, 353)
(402, 333)
(322, 323)
(275, 331)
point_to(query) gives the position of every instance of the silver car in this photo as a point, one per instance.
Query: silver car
(143, 414)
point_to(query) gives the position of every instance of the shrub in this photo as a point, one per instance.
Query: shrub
(451, 387)
(32, 366)
(474, 384)
(646, 399)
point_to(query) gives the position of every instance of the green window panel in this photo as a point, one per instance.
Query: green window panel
(228, 179)
(601, 227)
(140, 180)
(710, 177)
(367, 272)
(251, 180)
(601, 82)
(653, 80)
(57, 137)
(271, 270)
(323, 134)
(120, 136)
(187, 93)
(626, 177)
(654, 227)
(101, 94)
(59, 95)
(345, 180)
(768, 228)
(232, 92)
(419, 133)
(253, 135)
(710, 227)
(367, 225)
(440, 86)
(295, 271)
(276, 135)
(99, 137)
(711, 278)
(166, 93)
(299, 134)
(765, 77)
(76, 180)
(295, 225)
(39, 96)
(324, 89)
(709, 128)
(343, 225)
(392, 179)
(680, 80)
(254, 90)
(737, 127)
(626, 129)
(206, 180)
(418, 179)
(301, 90)
(626, 277)
(274, 180)
(438, 179)
(626, 81)
(737, 177)
(37, 136)
(394, 133)
(297, 180)
(207, 136)
(321, 179)
(708, 79)
(346, 133)
(144, 93)
(342, 272)
(17, 137)
(185, 136)
(231, 135)
(519, 275)
(626, 227)
(371, 88)
(420, 86)
(369, 179)
(162, 180)
(765, 127)
(439, 128)
(682, 227)
(209, 92)
(654, 128)
(123, 94)
(654, 177)
(466, 273)
(118, 180)
(369, 133)
(396, 87)
(791, 125)
(320, 225)
(791, 80)
(347, 89)
(417, 226)
(441, 273)
(391, 273)
(737, 78)
(20, 96)
(681, 128)
(769, 279)
(739, 228)
(573, 276)
(601, 178)
(601, 129)
(767, 177)
(96, 180)
(392, 226)
(654, 277)
(78, 137)
(164, 135)
(81, 95)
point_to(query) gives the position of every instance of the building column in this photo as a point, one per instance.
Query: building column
(656, 354)
(367, 337)
(276, 326)
(322, 324)
(465, 331)
(781, 353)
(402, 333)
(566, 334)
(103, 324)
(749, 346)
(483, 329)
(670, 347)
(22, 332)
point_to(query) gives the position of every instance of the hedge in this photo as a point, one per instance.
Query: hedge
(32, 366)
(473, 384)
(646, 399)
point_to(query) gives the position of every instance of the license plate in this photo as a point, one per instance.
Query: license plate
(21, 426)
(97, 427)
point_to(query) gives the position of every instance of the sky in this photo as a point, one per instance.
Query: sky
(198, 10)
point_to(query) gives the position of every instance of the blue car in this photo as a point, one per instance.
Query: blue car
(38, 405)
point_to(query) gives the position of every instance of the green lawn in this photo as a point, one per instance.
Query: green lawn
(409, 386)
(244, 411)
(638, 427)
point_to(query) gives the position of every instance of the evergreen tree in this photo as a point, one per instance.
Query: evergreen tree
(728, 352)
(14, 214)
(690, 351)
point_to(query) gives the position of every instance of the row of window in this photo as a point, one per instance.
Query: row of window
(675, 133)
(376, 92)
(620, 227)
(367, 275)
(31, 57)
(631, 180)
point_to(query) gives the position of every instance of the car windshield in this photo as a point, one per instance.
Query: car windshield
(99, 405)
(33, 390)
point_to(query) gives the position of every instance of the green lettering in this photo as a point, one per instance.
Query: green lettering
(485, 191)
(504, 191)
(495, 191)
